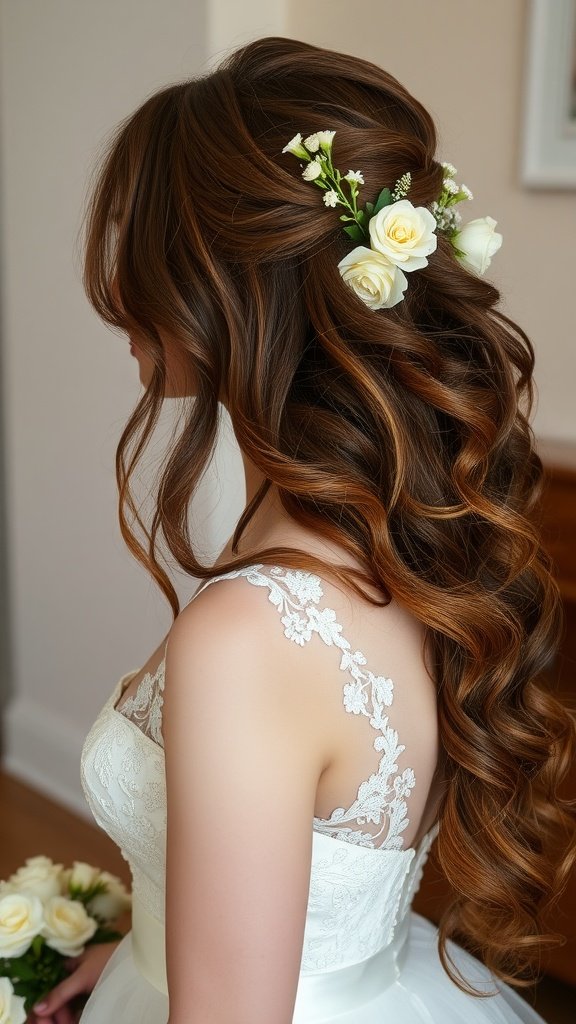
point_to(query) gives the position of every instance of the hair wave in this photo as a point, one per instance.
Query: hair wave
(403, 434)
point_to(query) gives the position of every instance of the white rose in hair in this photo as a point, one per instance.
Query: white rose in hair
(11, 1006)
(477, 242)
(67, 926)
(377, 281)
(38, 875)
(110, 904)
(21, 920)
(406, 234)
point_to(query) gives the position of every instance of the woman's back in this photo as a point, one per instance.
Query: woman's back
(370, 702)
(359, 934)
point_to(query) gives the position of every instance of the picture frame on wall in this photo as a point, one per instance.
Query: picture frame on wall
(549, 130)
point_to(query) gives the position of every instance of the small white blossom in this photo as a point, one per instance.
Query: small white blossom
(466, 191)
(330, 198)
(295, 146)
(312, 143)
(312, 170)
(449, 168)
(447, 218)
(354, 176)
(325, 139)
(402, 187)
(450, 186)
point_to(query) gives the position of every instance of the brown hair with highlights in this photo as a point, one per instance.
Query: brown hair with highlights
(401, 434)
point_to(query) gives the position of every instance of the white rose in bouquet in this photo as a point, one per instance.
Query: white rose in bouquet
(67, 925)
(38, 875)
(21, 920)
(11, 1006)
(110, 904)
(476, 244)
(81, 876)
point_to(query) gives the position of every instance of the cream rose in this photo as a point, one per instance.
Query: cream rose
(67, 926)
(11, 1006)
(21, 920)
(38, 875)
(110, 904)
(477, 241)
(377, 281)
(82, 875)
(406, 234)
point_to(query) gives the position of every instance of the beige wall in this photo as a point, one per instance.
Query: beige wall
(83, 612)
(465, 61)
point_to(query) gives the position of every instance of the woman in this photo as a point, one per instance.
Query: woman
(276, 798)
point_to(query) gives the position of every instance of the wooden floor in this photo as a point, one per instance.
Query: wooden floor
(37, 825)
(32, 824)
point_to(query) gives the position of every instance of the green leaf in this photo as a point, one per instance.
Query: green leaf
(355, 232)
(347, 216)
(384, 199)
(362, 218)
(370, 208)
(24, 971)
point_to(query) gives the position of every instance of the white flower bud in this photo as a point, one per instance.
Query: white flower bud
(477, 241)
(312, 170)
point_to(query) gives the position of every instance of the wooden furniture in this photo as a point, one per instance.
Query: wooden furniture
(559, 538)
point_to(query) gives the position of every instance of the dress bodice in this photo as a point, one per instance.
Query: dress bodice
(359, 892)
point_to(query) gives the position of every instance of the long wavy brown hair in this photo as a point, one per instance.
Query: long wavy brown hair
(401, 434)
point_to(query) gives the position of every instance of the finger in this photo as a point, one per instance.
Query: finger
(59, 995)
(64, 1016)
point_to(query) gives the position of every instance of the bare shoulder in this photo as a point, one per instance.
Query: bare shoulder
(230, 618)
(231, 636)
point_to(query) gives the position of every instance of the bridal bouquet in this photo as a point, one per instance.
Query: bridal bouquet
(49, 913)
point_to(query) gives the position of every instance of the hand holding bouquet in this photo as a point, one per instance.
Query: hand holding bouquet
(48, 914)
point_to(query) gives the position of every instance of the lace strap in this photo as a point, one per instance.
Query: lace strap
(381, 799)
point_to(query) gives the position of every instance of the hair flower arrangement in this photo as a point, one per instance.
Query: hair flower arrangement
(395, 236)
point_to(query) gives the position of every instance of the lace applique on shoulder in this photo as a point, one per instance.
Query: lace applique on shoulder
(381, 799)
(144, 708)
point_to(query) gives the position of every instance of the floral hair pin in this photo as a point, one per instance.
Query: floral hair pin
(395, 236)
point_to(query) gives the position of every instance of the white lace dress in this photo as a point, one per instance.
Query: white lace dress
(367, 958)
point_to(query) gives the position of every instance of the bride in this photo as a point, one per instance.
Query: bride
(358, 678)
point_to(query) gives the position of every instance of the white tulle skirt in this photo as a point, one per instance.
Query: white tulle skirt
(422, 994)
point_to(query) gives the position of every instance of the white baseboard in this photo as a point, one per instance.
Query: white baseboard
(43, 751)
